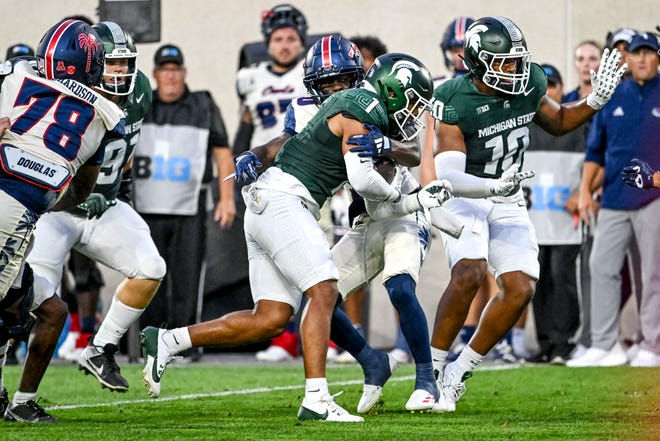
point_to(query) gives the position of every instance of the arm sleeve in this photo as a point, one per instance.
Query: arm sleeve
(450, 165)
(386, 210)
(367, 181)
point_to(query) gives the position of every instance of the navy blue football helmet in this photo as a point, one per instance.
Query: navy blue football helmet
(330, 57)
(454, 37)
(71, 50)
(283, 16)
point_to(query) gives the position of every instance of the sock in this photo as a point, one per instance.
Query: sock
(467, 361)
(344, 334)
(412, 320)
(74, 322)
(518, 342)
(88, 324)
(23, 397)
(177, 340)
(425, 377)
(439, 357)
(315, 389)
(372, 363)
(116, 323)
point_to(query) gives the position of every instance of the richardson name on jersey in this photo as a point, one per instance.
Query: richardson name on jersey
(507, 124)
(79, 90)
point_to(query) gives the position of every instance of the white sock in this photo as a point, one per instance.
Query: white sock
(518, 342)
(23, 397)
(177, 340)
(315, 389)
(467, 361)
(439, 358)
(116, 322)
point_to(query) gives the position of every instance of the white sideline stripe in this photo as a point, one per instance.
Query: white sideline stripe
(257, 390)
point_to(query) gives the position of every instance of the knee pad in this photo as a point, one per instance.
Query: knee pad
(152, 267)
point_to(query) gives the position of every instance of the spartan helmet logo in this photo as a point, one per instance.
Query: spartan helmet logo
(404, 76)
(473, 38)
(404, 73)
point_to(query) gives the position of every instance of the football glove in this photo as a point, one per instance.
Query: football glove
(246, 165)
(606, 79)
(372, 144)
(509, 181)
(96, 204)
(434, 194)
(639, 174)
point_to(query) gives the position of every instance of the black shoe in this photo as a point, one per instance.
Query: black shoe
(4, 401)
(29, 412)
(100, 362)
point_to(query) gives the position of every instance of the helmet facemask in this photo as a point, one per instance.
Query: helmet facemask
(409, 119)
(512, 82)
(121, 83)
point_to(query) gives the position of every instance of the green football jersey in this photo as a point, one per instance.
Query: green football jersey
(315, 156)
(119, 151)
(494, 127)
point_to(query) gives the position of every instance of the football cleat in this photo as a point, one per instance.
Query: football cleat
(156, 358)
(100, 362)
(420, 400)
(326, 410)
(451, 388)
(377, 377)
(29, 412)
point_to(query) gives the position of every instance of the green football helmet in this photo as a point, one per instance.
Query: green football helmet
(405, 86)
(493, 43)
(118, 44)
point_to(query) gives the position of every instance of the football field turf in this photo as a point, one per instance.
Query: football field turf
(241, 400)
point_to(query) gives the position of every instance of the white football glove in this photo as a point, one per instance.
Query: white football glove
(605, 81)
(434, 194)
(508, 181)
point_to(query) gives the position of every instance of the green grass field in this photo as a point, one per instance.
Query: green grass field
(259, 402)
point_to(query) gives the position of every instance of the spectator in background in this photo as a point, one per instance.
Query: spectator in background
(183, 136)
(627, 127)
(586, 58)
(557, 162)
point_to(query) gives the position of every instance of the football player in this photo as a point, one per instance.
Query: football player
(481, 135)
(289, 254)
(57, 123)
(105, 228)
(267, 88)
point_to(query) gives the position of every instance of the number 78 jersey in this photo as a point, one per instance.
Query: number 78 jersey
(494, 127)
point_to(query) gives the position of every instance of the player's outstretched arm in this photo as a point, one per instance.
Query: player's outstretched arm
(559, 119)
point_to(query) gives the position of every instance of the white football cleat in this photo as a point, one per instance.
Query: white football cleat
(326, 410)
(420, 400)
(598, 357)
(371, 393)
(156, 358)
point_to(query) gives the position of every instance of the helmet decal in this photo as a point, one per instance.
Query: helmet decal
(52, 45)
(473, 38)
(89, 44)
(514, 31)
